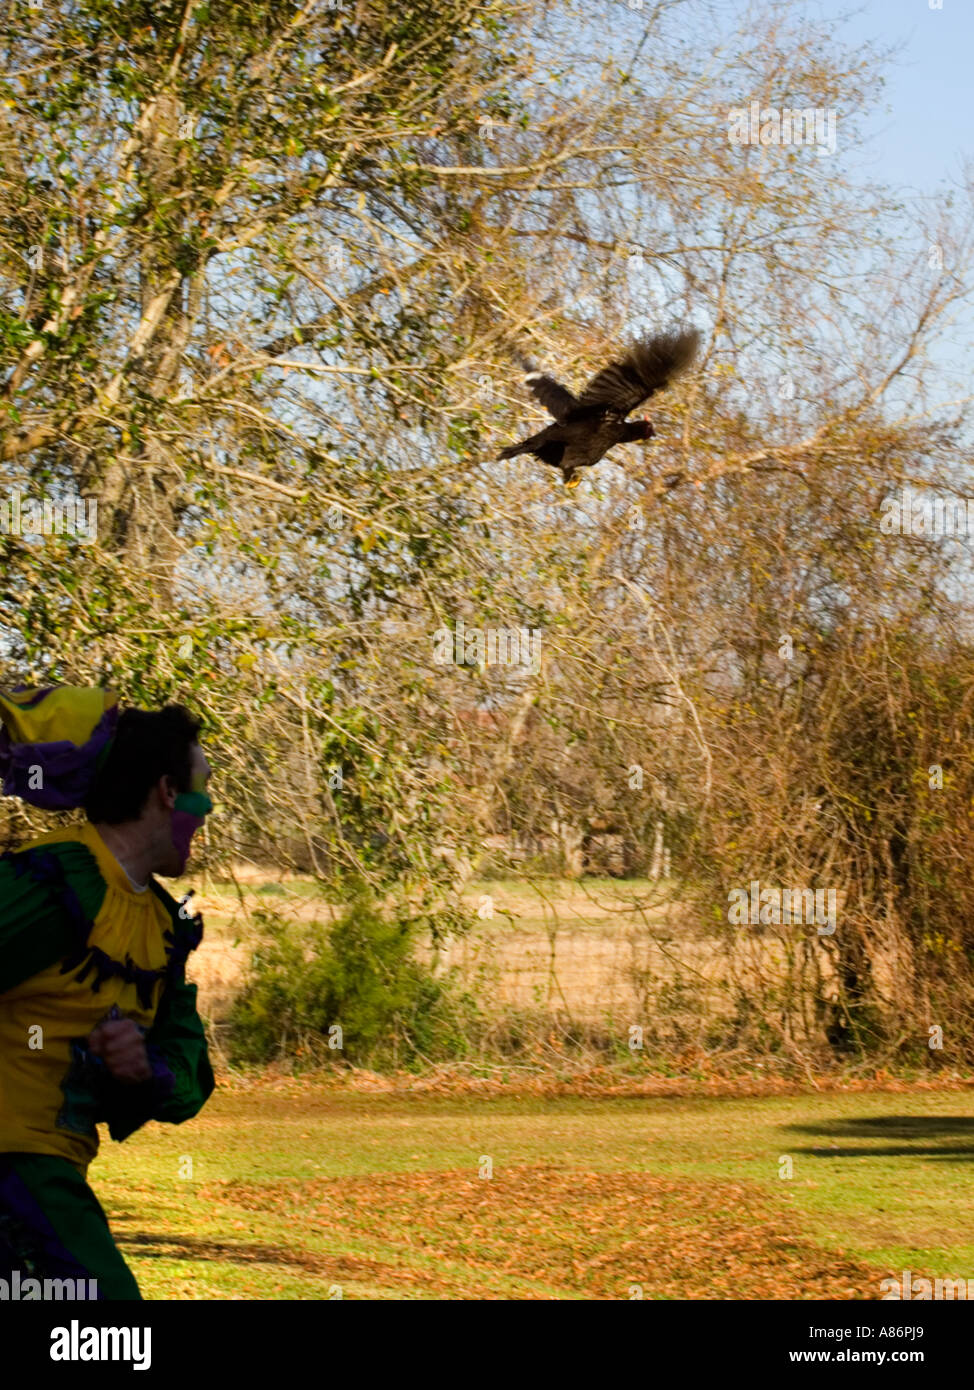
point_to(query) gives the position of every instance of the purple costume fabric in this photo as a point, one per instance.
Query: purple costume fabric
(184, 827)
(68, 771)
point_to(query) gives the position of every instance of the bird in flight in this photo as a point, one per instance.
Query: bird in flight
(588, 425)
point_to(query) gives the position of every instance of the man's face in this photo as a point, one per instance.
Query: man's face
(183, 824)
(200, 770)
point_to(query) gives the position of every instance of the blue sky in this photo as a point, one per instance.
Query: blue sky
(923, 130)
(920, 133)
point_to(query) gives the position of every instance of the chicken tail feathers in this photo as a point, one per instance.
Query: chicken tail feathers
(512, 451)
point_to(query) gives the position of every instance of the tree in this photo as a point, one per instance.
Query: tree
(263, 267)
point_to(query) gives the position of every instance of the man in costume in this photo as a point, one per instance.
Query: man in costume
(97, 1022)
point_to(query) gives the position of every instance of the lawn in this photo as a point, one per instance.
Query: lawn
(308, 1190)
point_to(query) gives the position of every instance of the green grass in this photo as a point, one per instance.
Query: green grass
(302, 1190)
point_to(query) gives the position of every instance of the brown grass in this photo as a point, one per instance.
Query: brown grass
(534, 1227)
(587, 952)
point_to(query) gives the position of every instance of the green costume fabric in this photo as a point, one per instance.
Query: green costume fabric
(35, 929)
(52, 1226)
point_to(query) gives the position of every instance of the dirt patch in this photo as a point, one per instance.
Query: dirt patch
(533, 1228)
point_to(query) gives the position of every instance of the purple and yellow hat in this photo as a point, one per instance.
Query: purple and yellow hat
(53, 743)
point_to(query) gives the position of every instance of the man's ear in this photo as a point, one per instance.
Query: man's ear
(167, 790)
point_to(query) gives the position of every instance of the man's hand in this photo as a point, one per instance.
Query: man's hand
(120, 1045)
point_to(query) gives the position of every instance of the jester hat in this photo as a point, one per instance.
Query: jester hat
(53, 743)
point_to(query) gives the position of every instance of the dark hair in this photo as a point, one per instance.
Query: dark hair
(149, 744)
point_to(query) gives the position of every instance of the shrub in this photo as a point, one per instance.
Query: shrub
(358, 974)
